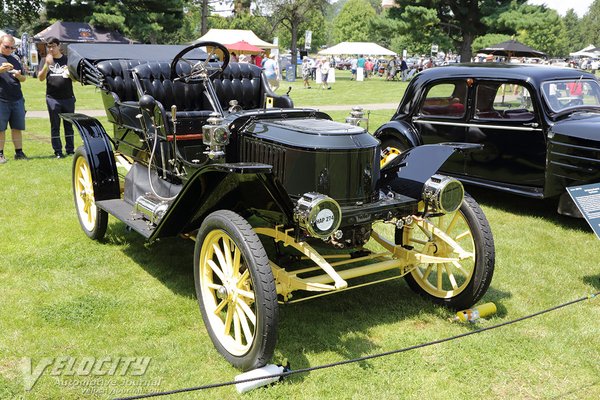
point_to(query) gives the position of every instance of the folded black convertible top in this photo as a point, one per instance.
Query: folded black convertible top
(93, 53)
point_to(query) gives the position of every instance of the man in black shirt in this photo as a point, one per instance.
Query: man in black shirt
(12, 104)
(59, 95)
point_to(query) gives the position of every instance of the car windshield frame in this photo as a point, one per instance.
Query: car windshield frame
(567, 95)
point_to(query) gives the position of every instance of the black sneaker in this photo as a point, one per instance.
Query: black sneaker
(21, 156)
(70, 153)
(58, 154)
(2, 159)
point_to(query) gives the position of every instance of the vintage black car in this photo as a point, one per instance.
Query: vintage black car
(539, 126)
(280, 201)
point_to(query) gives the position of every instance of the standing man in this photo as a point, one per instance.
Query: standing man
(12, 103)
(59, 95)
(403, 69)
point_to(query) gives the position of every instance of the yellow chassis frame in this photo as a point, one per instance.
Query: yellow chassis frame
(332, 280)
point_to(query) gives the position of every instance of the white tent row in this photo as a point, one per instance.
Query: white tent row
(589, 51)
(357, 48)
(230, 36)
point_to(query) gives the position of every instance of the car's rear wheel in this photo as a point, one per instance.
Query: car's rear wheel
(92, 219)
(464, 235)
(236, 290)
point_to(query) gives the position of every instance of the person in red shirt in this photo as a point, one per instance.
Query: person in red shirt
(575, 89)
(258, 59)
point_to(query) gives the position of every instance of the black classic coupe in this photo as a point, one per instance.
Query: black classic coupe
(538, 126)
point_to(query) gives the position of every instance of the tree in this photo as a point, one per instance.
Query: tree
(149, 21)
(573, 30)
(463, 20)
(538, 27)
(488, 40)
(590, 24)
(315, 22)
(292, 14)
(353, 23)
(256, 23)
(15, 13)
(419, 28)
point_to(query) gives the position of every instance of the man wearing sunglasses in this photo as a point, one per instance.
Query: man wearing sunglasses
(12, 103)
(59, 95)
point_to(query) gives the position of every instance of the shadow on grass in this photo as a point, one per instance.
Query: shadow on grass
(592, 280)
(340, 323)
(169, 260)
(343, 323)
(525, 206)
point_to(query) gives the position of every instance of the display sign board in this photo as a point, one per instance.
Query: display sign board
(587, 199)
(307, 40)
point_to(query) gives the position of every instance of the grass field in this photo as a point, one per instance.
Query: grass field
(65, 295)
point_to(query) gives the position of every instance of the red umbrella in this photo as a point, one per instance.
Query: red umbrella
(242, 45)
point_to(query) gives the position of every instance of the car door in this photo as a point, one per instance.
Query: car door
(441, 118)
(506, 122)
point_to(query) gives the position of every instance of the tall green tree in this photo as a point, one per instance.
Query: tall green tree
(418, 29)
(15, 13)
(574, 31)
(148, 21)
(463, 20)
(291, 14)
(354, 22)
(590, 24)
(538, 27)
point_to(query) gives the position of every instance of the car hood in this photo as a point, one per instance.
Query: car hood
(583, 125)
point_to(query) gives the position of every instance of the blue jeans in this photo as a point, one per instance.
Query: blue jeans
(12, 112)
(56, 106)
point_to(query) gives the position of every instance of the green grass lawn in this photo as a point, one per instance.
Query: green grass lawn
(65, 295)
(345, 91)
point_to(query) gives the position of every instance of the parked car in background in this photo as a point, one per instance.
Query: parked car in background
(537, 126)
(343, 64)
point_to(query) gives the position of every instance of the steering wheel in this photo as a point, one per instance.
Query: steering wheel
(574, 102)
(203, 69)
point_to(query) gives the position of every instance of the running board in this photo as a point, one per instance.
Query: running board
(126, 213)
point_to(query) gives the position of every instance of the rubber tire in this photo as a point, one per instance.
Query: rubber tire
(267, 310)
(101, 221)
(484, 261)
(391, 141)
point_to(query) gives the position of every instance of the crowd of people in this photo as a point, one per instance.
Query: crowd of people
(59, 97)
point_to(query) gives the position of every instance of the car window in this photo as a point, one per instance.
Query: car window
(503, 101)
(445, 100)
(566, 94)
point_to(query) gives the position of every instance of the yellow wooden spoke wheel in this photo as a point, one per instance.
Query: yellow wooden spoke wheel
(92, 219)
(463, 236)
(236, 290)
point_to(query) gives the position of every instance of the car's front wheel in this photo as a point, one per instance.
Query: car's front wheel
(465, 236)
(236, 290)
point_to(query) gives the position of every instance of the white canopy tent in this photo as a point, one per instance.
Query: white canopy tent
(355, 48)
(589, 51)
(230, 36)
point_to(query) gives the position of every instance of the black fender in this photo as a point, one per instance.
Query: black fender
(407, 173)
(100, 155)
(239, 187)
(401, 131)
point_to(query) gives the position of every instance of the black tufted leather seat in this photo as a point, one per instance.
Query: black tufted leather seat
(239, 81)
(116, 78)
